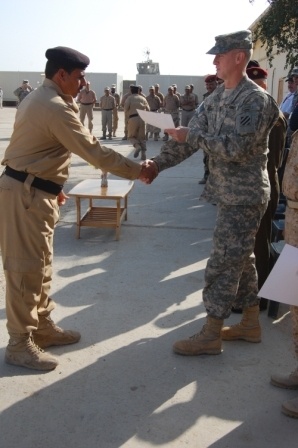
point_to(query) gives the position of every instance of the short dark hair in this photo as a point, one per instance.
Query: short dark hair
(134, 89)
(52, 68)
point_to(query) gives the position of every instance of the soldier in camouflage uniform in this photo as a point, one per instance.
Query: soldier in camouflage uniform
(232, 126)
(290, 190)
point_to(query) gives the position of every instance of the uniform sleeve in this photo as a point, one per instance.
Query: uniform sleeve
(68, 131)
(245, 137)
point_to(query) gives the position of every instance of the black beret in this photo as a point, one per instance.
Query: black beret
(67, 58)
(253, 63)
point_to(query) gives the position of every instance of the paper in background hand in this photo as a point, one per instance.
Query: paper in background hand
(282, 283)
(162, 121)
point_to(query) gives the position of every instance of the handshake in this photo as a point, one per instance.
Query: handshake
(148, 172)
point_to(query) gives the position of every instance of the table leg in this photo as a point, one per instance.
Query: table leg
(125, 207)
(118, 223)
(78, 203)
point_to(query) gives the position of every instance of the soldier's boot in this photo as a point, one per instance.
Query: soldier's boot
(22, 351)
(110, 136)
(137, 150)
(248, 329)
(146, 137)
(114, 133)
(290, 408)
(206, 342)
(143, 154)
(125, 136)
(156, 136)
(48, 334)
(286, 381)
(104, 136)
(165, 137)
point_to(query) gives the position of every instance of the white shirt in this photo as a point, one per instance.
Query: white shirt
(286, 104)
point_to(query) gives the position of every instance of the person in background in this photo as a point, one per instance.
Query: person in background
(276, 144)
(107, 104)
(171, 106)
(136, 126)
(188, 106)
(196, 96)
(211, 82)
(87, 100)
(154, 104)
(115, 110)
(22, 91)
(286, 104)
(1, 98)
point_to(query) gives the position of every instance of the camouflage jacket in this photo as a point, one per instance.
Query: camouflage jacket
(233, 130)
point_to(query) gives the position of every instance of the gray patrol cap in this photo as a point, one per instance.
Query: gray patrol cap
(294, 71)
(241, 40)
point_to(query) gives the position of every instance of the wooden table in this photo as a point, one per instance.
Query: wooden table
(106, 216)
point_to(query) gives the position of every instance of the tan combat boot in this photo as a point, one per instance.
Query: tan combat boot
(48, 334)
(22, 351)
(247, 330)
(207, 342)
(290, 408)
(286, 381)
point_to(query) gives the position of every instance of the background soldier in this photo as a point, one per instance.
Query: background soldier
(154, 104)
(87, 99)
(107, 104)
(188, 105)
(115, 110)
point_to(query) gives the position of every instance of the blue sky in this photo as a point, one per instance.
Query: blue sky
(116, 33)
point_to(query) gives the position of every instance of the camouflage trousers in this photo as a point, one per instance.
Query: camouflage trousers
(291, 237)
(230, 275)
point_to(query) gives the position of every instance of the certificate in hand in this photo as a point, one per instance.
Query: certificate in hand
(162, 121)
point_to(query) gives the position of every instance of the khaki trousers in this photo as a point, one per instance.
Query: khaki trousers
(115, 120)
(136, 132)
(106, 121)
(27, 221)
(87, 110)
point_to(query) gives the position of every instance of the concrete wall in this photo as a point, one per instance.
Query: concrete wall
(9, 81)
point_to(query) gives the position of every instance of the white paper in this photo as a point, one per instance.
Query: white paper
(282, 282)
(162, 121)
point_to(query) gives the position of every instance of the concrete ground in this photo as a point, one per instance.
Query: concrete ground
(121, 385)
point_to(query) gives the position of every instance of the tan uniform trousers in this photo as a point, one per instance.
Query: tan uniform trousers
(106, 120)
(176, 118)
(186, 116)
(27, 221)
(115, 120)
(136, 131)
(87, 110)
(291, 237)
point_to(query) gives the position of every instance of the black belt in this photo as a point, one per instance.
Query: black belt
(133, 115)
(86, 104)
(107, 109)
(41, 184)
(188, 110)
(153, 110)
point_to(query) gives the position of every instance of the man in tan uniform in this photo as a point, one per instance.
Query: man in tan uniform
(188, 105)
(290, 190)
(136, 126)
(87, 99)
(154, 104)
(171, 106)
(46, 131)
(115, 110)
(124, 98)
(107, 104)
